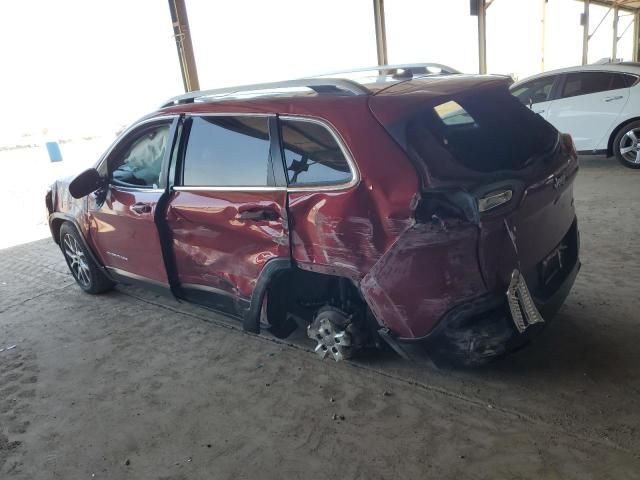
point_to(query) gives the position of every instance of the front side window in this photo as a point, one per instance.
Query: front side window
(585, 83)
(312, 154)
(228, 151)
(140, 163)
(535, 91)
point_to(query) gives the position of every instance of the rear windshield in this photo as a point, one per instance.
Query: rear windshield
(485, 131)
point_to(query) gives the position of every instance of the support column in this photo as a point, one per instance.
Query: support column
(585, 33)
(544, 21)
(482, 36)
(636, 33)
(381, 33)
(614, 47)
(182, 36)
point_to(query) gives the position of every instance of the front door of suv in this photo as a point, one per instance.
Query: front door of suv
(122, 226)
(227, 213)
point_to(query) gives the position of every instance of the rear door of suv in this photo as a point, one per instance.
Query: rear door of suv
(227, 212)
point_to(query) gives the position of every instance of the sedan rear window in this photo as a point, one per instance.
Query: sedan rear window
(585, 83)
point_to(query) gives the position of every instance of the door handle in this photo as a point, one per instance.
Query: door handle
(259, 214)
(611, 99)
(538, 111)
(140, 208)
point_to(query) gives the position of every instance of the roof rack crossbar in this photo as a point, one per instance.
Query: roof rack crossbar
(320, 85)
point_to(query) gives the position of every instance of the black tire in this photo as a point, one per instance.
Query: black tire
(625, 147)
(84, 270)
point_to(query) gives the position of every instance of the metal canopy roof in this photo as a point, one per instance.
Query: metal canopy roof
(624, 4)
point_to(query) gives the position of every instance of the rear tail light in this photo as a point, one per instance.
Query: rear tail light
(494, 199)
(569, 146)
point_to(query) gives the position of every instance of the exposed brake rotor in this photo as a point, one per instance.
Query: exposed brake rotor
(330, 329)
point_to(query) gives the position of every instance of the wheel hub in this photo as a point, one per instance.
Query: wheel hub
(331, 339)
(630, 146)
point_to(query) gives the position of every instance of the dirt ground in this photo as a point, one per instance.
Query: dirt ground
(129, 385)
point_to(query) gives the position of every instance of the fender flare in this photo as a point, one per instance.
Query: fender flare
(251, 317)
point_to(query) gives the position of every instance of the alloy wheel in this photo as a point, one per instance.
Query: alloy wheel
(76, 260)
(630, 146)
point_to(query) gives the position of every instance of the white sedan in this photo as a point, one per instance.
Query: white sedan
(599, 105)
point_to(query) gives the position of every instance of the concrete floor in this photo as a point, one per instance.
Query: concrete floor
(130, 385)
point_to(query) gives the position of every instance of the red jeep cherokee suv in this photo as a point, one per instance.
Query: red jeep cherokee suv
(402, 208)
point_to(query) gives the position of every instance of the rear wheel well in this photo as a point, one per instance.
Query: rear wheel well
(615, 132)
(294, 296)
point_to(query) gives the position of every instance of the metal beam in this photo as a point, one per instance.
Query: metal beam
(636, 33)
(614, 47)
(482, 36)
(182, 36)
(585, 33)
(381, 32)
(544, 21)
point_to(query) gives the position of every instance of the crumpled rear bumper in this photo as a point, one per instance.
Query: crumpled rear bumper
(475, 331)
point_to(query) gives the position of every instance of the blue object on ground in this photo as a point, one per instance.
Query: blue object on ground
(54, 151)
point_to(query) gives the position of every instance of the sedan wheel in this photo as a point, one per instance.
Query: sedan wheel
(627, 145)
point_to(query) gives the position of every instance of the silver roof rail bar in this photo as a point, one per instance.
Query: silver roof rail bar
(413, 68)
(319, 85)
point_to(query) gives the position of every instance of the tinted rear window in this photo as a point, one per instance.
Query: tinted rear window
(484, 131)
(227, 151)
(585, 83)
(312, 154)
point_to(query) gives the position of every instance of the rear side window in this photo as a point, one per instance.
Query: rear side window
(585, 83)
(312, 154)
(228, 151)
(485, 132)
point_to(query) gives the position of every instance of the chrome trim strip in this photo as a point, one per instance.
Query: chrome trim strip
(136, 189)
(355, 173)
(228, 189)
(228, 114)
(135, 125)
(135, 276)
(206, 288)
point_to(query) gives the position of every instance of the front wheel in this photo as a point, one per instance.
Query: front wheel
(84, 270)
(626, 145)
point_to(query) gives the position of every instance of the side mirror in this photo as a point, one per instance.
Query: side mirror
(85, 183)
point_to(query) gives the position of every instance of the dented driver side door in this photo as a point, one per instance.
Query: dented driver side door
(227, 211)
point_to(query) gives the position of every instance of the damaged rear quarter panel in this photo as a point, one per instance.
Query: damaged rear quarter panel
(426, 272)
(345, 231)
